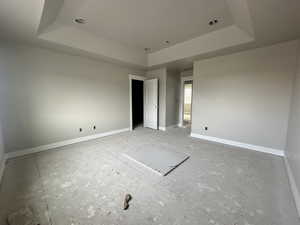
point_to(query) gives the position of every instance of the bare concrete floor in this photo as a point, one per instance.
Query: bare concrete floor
(85, 184)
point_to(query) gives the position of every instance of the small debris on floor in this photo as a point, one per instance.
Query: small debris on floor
(24, 216)
(127, 199)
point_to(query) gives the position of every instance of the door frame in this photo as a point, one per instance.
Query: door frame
(156, 127)
(181, 100)
(133, 77)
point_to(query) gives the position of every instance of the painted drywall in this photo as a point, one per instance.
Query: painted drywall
(241, 15)
(1, 152)
(107, 49)
(293, 141)
(172, 97)
(2, 72)
(207, 43)
(245, 97)
(161, 75)
(186, 73)
(49, 95)
(20, 18)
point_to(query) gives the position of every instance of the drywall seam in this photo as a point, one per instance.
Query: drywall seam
(240, 144)
(62, 143)
(293, 185)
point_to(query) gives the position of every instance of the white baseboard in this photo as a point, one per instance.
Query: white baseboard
(62, 143)
(2, 166)
(240, 144)
(165, 128)
(162, 128)
(293, 185)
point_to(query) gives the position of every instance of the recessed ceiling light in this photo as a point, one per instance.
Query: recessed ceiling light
(79, 20)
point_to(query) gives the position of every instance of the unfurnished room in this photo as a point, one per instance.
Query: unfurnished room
(149, 112)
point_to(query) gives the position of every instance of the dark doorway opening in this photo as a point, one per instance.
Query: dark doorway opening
(137, 103)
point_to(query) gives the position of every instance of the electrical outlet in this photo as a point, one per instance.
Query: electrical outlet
(80, 129)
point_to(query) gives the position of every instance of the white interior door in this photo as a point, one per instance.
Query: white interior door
(151, 103)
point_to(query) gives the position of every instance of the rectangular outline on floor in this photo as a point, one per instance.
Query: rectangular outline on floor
(153, 170)
(142, 164)
(240, 144)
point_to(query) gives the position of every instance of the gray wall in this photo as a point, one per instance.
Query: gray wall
(187, 73)
(1, 149)
(172, 97)
(49, 95)
(2, 72)
(169, 84)
(161, 75)
(293, 140)
(245, 97)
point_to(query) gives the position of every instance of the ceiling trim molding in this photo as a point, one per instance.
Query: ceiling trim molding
(216, 40)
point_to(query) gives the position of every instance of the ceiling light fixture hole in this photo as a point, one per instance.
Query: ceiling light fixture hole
(213, 22)
(79, 20)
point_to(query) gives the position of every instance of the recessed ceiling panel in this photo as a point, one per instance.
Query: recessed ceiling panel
(144, 23)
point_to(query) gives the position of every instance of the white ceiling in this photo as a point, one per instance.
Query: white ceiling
(20, 19)
(144, 23)
(119, 30)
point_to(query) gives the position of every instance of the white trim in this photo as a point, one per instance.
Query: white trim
(165, 128)
(162, 128)
(132, 77)
(293, 185)
(183, 79)
(172, 126)
(2, 166)
(62, 143)
(136, 77)
(240, 144)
